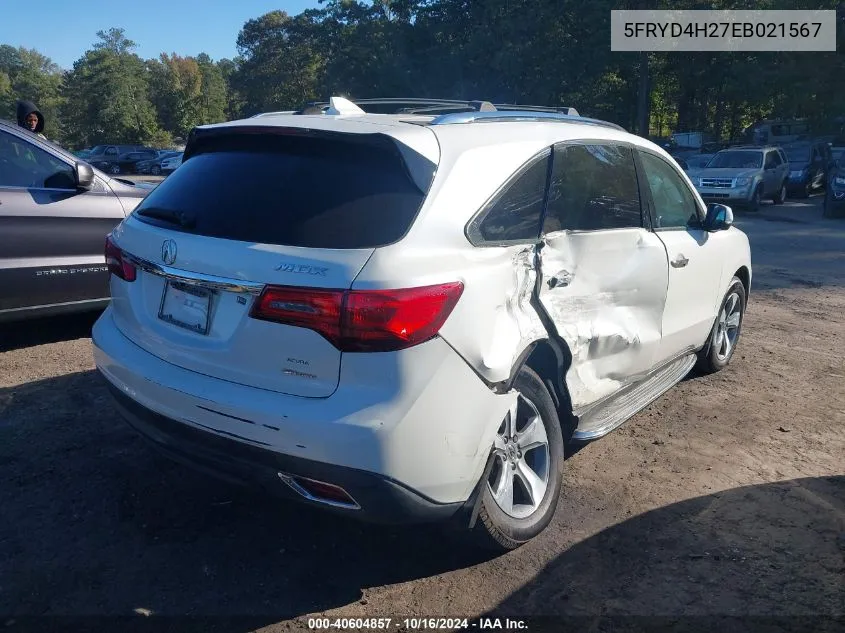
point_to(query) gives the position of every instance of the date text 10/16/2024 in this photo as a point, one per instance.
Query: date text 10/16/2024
(417, 624)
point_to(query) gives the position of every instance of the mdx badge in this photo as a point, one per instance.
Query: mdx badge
(168, 252)
(302, 269)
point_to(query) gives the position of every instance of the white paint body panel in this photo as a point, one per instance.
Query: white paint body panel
(695, 289)
(389, 415)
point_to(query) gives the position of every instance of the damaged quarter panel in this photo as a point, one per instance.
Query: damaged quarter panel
(499, 253)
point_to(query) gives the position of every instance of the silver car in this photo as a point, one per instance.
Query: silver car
(743, 176)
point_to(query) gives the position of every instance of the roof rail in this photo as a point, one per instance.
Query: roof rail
(398, 105)
(519, 115)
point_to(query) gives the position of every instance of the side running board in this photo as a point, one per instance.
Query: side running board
(606, 416)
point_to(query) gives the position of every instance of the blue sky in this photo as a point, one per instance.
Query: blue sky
(64, 30)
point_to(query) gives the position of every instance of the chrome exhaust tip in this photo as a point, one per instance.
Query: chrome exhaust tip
(320, 491)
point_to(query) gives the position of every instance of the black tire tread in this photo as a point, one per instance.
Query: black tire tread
(707, 362)
(486, 533)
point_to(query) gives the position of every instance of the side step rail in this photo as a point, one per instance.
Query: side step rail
(609, 415)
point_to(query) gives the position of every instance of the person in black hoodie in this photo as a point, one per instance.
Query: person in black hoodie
(30, 118)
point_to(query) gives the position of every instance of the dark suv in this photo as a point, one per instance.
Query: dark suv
(55, 213)
(810, 162)
(108, 158)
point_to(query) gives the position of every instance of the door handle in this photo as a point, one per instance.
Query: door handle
(680, 261)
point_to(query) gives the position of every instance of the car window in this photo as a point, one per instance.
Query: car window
(772, 160)
(111, 151)
(593, 187)
(272, 190)
(674, 203)
(515, 214)
(25, 165)
(738, 159)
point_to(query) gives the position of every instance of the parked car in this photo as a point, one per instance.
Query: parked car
(698, 161)
(124, 163)
(153, 165)
(169, 165)
(809, 165)
(778, 132)
(55, 213)
(743, 175)
(113, 151)
(405, 318)
(834, 199)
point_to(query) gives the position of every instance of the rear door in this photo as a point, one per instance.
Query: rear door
(249, 211)
(604, 272)
(772, 175)
(695, 257)
(51, 235)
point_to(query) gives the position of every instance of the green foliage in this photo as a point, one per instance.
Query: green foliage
(27, 74)
(107, 96)
(550, 52)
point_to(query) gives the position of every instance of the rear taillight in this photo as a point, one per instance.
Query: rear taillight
(362, 320)
(118, 263)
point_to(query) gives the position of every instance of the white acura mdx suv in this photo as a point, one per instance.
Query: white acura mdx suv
(406, 317)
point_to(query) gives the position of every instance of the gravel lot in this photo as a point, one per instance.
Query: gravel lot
(726, 496)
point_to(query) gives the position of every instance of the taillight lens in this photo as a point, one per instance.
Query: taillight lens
(117, 262)
(362, 320)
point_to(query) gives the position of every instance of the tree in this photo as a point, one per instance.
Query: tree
(107, 96)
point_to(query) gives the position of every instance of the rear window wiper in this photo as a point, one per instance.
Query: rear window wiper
(168, 215)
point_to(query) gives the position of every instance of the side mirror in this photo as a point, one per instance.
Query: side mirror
(84, 176)
(684, 165)
(720, 217)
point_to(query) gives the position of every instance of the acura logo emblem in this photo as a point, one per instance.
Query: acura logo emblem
(168, 252)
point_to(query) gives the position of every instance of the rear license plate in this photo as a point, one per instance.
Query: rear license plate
(186, 306)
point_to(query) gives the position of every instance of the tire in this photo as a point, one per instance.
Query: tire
(155, 170)
(754, 204)
(714, 357)
(501, 530)
(780, 196)
(114, 169)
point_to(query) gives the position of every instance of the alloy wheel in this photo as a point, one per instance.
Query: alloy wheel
(727, 330)
(520, 475)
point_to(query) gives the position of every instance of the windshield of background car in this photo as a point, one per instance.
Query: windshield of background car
(798, 154)
(740, 159)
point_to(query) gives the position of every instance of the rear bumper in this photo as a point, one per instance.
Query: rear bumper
(417, 428)
(381, 499)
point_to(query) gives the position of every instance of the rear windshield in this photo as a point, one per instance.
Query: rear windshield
(290, 191)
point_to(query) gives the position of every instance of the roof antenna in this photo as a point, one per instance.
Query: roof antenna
(341, 106)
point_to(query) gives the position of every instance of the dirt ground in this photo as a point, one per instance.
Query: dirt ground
(725, 497)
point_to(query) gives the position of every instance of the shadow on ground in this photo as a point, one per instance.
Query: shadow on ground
(45, 330)
(775, 550)
(95, 523)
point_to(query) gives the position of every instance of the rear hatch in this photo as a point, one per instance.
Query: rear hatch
(247, 215)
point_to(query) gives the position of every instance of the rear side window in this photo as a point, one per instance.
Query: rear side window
(514, 215)
(593, 187)
(290, 191)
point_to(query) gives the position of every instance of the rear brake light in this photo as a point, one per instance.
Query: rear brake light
(118, 263)
(362, 320)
